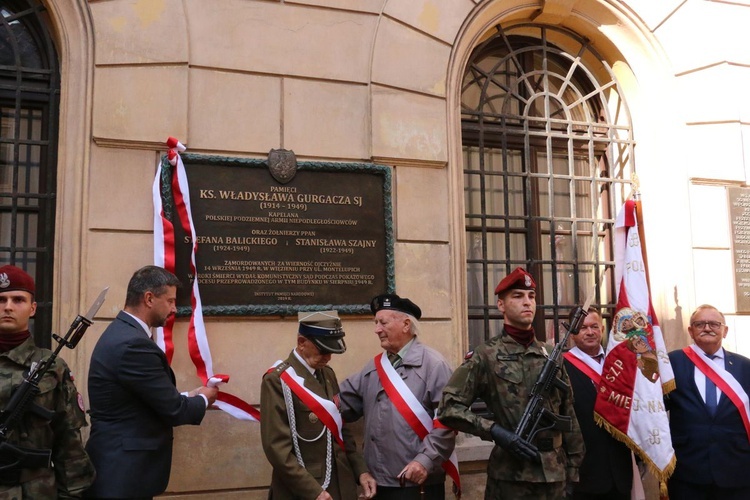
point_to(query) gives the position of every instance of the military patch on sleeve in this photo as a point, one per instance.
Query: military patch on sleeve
(80, 403)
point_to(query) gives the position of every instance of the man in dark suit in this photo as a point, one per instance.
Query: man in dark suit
(711, 442)
(607, 469)
(134, 401)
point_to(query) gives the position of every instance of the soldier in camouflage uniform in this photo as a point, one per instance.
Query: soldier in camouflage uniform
(71, 472)
(502, 372)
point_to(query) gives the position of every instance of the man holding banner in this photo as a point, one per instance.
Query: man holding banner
(709, 414)
(397, 393)
(606, 472)
(313, 455)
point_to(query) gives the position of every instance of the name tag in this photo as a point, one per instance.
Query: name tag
(507, 357)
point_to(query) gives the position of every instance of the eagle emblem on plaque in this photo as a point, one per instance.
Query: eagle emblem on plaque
(282, 163)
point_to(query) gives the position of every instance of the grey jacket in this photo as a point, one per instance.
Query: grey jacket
(389, 442)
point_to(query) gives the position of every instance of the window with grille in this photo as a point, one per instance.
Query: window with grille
(547, 149)
(29, 105)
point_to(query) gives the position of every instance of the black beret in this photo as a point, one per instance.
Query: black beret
(395, 303)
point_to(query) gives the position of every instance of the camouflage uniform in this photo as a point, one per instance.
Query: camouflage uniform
(72, 470)
(502, 373)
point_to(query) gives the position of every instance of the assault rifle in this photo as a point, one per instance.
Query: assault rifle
(14, 458)
(536, 417)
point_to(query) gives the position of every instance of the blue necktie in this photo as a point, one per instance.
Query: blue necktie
(711, 394)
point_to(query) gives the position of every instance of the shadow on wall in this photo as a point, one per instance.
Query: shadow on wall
(674, 330)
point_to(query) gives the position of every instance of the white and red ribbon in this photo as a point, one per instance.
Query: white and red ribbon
(585, 364)
(325, 409)
(164, 256)
(724, 380)
(409, 407)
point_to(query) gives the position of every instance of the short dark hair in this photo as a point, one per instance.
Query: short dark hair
(152, 279)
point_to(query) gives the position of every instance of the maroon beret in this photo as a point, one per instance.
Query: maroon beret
(518, 279)
(14, 278)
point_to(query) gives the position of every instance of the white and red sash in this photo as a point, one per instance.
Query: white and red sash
(724, 380)
(412, 410)
(324, 409)
(585, 363)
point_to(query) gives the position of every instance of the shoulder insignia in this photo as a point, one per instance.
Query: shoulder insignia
(468, 355)
(282, 366)
(70, 374)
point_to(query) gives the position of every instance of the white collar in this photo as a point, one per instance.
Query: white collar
(142, 323)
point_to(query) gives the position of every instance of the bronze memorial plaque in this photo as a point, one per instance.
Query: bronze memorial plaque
(318, 238)
(739, 218)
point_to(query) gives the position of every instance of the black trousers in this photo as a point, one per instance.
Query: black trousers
(683, 490)
(431, 492)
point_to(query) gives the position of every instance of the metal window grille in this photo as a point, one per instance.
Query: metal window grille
(29, 107)
(547, 146)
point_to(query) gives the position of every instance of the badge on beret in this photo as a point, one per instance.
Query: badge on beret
(4, 281)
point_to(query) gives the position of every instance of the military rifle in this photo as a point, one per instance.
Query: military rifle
(14, 458)
(536, 417)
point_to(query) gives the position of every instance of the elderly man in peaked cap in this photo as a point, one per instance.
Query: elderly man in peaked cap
(404, 465)
(312, 454)
(70, 471)
(502, 372)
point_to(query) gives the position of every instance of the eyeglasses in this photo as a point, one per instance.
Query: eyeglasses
(713, 325)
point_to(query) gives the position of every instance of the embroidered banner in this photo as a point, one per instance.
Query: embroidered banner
(636, 372)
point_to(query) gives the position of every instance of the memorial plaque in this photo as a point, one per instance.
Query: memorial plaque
(320, 240)
(739, 215)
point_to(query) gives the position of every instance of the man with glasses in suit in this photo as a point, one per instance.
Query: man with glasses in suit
(709, 414)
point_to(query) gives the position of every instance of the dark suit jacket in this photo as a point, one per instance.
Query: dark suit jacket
(607, 464)
(709, 450)
(134, 405)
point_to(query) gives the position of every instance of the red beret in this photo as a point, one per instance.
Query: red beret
(518, 279)
(14, 278)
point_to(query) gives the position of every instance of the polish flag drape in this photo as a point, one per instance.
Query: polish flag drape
(164, 256)
(636, 372)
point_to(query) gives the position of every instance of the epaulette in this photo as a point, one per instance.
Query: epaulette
(281, 367)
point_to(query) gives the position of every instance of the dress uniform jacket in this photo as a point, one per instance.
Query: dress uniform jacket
(502, 373)
(390, 443)
(134, 405)
(289, 479)
(709, 449)
(72, 471)
(608, 464)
